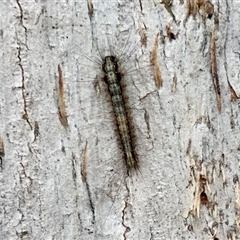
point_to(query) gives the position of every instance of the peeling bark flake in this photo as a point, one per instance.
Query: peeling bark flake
(143, 35)
(168, 6)
(194, 7)
(154, 63)
(213, 66)
(146, 117)
(174, 84)
(90, 8)
(171, 36)
(61, 104)
(233, 93)
(204, 198)
(237, 200)
(36, 130)
(84, 164)
(200, 194)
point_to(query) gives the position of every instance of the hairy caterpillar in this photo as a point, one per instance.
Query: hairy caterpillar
(107, 177)
(113, 78)
(120, 89)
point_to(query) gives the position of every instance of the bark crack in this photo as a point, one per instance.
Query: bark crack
(2, 153)
(25, 114)
(23, 172)
(21, 20)
(127, 229)
(90, 201)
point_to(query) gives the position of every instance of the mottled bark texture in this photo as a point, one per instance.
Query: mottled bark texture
(62, 174)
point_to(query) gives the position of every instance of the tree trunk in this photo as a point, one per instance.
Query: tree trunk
(62, 171)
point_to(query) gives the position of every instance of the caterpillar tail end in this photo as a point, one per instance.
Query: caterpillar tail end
(132, 164)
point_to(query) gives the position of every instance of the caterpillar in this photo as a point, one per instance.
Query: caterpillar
(120, 91)
(112, 79)
(109, 177)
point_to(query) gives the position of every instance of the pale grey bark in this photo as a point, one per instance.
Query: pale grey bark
(188, 184)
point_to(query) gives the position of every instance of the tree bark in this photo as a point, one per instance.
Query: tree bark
(61, 168)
